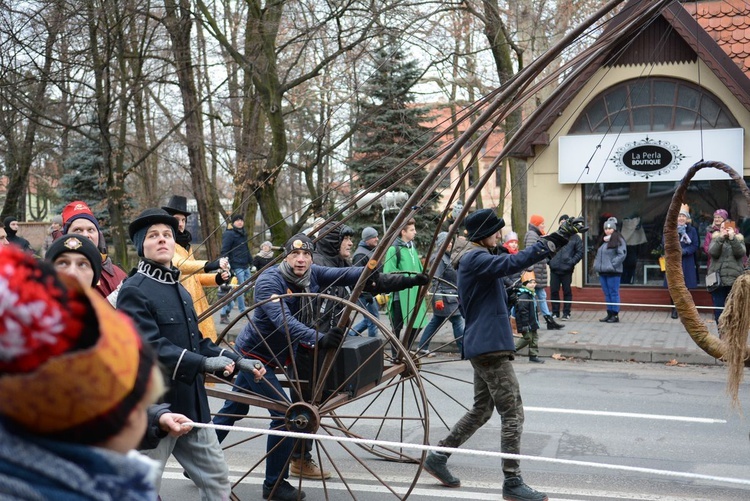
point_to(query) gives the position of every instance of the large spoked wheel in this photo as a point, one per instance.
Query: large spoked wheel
(436, 351)
(378, 396)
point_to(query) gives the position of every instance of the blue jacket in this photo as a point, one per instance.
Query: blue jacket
(265, 337)
(483, 299)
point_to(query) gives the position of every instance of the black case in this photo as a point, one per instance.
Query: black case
(354, 354)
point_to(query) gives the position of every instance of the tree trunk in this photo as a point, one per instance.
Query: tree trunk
(178, 21)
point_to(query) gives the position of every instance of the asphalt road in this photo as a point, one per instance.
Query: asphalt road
(612, 414)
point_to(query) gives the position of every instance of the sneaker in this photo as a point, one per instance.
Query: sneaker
(284, 492)
(566, 316)
(555, 315)
(426, 353)
(515, 490)
(536, 360)
(436, 465)
(307, 468)
(224, 319)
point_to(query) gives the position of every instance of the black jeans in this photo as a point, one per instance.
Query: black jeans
(555, 281)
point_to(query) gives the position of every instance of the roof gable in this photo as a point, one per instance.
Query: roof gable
(686, 36)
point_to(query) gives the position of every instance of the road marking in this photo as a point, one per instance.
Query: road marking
(627, 415)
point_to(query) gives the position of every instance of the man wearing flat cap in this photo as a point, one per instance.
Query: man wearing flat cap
(163, 312)
(488, 343)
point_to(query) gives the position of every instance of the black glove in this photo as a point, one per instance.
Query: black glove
(567, 229)
(220, 279)
(332, 339)
(212, 265)
(393, 282)
(213, 364)
(512, 292)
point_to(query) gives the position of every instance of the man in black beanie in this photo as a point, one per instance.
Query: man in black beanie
(489, 346)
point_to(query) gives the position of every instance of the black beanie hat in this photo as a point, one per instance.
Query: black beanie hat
(80, 244)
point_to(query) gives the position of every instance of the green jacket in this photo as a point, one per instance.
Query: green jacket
(399, 257)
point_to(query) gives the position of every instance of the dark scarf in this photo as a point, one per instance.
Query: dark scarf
(306, 312)
(184, 238)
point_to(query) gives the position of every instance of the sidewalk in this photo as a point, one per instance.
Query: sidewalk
(641, 336)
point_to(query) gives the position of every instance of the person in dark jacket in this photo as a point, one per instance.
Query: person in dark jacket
(334, 250)
(535, 232)
(444, 300)
(163, 312)
(608, 263)
(267, 337)
(11, 230)
(234, 246)
(489, 346)
(727, 251)
(264, 256)
(561, 273)
(361, 257)
(78, 219)
(527, 321)
(689, 243)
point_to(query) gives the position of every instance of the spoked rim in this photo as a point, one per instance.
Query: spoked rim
(393, 408)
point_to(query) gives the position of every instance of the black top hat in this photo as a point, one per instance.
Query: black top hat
(151, 217)
(177, 205)
(482, 224)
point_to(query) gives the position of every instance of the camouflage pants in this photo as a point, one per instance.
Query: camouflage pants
(495, 387)
(530, 338)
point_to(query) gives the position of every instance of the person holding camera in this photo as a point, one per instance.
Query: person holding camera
(727, 251)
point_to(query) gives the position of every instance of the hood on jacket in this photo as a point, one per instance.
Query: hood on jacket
(328, 247)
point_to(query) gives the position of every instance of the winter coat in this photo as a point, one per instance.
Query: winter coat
(112, 277)
(259, 262)
(484, 302)
(234, 246)
(689, 251)
(38, 469)
(527, 319)
(265, 337)
(361, 257)
(707, 241)
(727, 257)
(540, 269)
(568, 257)
(194, 281)
(327, 254)
(400, 257)
(163, 312)
(608, 260)
(445, 289)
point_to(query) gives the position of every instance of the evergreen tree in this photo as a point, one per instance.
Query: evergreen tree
(390, 131)
(83, 179)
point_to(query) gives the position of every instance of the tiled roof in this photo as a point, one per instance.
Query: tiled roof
(728, 22)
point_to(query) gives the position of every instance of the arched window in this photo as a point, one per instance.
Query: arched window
(653, 104)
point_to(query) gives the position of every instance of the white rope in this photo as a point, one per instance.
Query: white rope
(473, 452)
(604, 303)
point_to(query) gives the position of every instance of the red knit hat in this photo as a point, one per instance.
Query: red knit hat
(536, 220)
(71, 367)
(76, 210)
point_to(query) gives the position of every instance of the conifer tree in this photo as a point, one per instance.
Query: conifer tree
(391, 129)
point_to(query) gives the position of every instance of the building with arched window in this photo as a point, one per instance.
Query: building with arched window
(620, 135)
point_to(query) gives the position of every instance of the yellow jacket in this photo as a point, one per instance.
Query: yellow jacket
(194, 283)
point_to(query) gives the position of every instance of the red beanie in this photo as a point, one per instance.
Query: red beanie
(536, 220)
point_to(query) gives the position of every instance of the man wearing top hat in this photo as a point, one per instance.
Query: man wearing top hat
(195, 273)
(163, 312)
(488, 343)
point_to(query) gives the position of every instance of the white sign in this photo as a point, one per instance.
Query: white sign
(648, 156)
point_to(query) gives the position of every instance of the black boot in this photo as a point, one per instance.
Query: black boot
(613, 319)
(606, 319)
(674, 313)
(551, 324)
